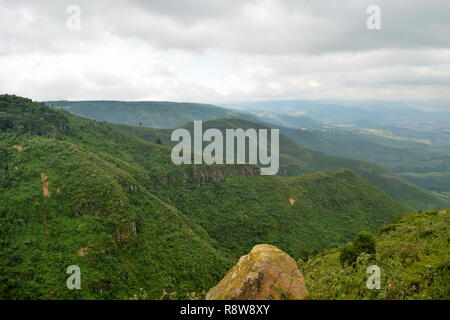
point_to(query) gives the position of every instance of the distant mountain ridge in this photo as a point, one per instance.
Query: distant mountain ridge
(155, 114)
(369, 111)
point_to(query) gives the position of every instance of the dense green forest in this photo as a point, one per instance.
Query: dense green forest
(412, 255)
(79, 192)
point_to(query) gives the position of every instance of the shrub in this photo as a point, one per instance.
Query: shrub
(387, 228)
(363, 242)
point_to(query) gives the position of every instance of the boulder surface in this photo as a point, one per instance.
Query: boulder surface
(266, 273)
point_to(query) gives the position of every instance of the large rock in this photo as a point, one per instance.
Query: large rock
(265, 273)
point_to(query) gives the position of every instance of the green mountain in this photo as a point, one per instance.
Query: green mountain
(412, 255)
(395, 135)
(297, 160)
(164, 114)
(79, 192)
(426, 166)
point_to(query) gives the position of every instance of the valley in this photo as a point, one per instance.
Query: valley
(118, 208)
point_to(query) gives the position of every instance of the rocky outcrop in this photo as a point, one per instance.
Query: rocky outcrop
(265, 273)
(201, 174)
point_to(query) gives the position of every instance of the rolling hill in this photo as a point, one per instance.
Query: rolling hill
(415, 158)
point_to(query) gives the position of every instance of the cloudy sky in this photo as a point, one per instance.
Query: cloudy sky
(224, 50)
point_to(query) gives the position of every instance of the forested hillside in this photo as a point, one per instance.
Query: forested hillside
(416, 163)
(297, 160)
(80, 192)
(412, 255)
(427, 166)
(417, 156)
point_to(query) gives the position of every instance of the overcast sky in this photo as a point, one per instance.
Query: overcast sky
(227, 50)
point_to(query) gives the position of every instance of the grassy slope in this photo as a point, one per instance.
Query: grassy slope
(296, 160)
(130, 219)
(413, 257)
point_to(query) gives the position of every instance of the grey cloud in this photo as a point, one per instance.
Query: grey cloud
(285, 48)
(290, 27)
(263, 27)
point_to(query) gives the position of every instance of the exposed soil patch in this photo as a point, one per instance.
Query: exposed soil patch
(45, 190)
(18, 147)
(83, 251)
